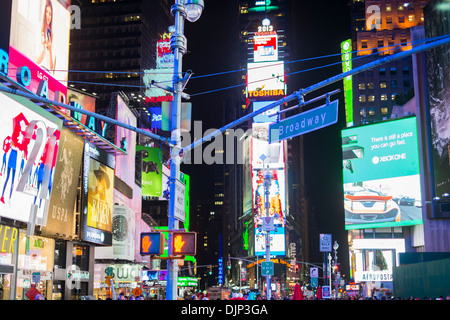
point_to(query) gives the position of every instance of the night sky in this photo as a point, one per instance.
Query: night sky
(317, 29)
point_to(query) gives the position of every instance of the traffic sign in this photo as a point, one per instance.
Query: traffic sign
(267, 268)
(326, 292)
(152, 243)
(184, 243)
(304, 122)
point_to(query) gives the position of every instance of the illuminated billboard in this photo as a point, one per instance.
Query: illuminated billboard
(98, 195)
(277, 196)
(265, 46)
(381, 175)
(162, 76)
(273, 153)
(346, 50)
(375, 259)
(125, 164)
(65, 182)
(266, 81)
(277, 242)
(30, 138)
(39, 40)
(151, 171)
(266, 116)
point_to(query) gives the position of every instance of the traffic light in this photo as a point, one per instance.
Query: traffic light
(184, 243)
(152, 243)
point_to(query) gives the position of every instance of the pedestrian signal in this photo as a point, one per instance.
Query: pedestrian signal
(184, 243)
(152, 243)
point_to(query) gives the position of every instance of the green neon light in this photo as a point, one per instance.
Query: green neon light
(263, 8)
(346, 50)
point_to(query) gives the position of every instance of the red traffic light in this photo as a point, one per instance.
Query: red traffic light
(152, 243)
(184, 243)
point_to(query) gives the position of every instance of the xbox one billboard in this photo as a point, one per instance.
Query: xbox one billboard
(381, 175)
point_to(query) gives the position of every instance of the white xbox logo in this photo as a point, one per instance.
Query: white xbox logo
(375, 160)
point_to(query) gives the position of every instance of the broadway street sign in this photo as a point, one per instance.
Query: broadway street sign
(304, 122)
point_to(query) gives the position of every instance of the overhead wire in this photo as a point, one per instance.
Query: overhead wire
(377, 52)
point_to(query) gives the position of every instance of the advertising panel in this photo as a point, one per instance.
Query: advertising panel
(164, 56)
(39, 40)
(381, 175)
(98, 197)
(30, 138)
(151, 171)
(266, 81)
(265, 46)
(438, 74)
(346, 50)
(161, 76)
(277, 194)
(65, 182)
(273, 153)
(266, 116)
(375, 259)
(277, 242)
(125, 164)
(84, 102)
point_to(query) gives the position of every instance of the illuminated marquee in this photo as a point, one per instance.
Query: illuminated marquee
(266, 80)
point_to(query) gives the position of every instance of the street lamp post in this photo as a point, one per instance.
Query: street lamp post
(240, 276)
(335, 247)
(181, 10)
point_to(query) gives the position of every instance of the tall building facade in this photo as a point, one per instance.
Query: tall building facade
(385, 29)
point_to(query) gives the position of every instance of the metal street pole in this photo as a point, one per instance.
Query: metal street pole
(267, 180)
(181, 10)
(178, 47)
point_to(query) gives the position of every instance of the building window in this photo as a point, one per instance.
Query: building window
(388, 20)
(411, 18)
(364, 44)
(362, 98)
(371, 98)
(382, 71)
(393, 71)
(406, 83)
(380, 43)
(384, 110)
(362, 112)
(401, 19)
(393, 84)
(405, 70)
(371, 111)
(382, 84)
(383, 97)
(400, 8)
(362, 86)
(370, 85)
(388, 8)
(393, 96)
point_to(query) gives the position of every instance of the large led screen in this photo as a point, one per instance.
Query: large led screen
(98, 195)
(266, 80)
(127, 139)
(277, 196)
(277, 242)
(30, 138)
(265, 47)
(151, 171)
(265, 154)
(39, 40)
(381, 175)
(438, 73)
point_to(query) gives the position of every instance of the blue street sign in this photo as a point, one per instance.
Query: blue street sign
(304, 122)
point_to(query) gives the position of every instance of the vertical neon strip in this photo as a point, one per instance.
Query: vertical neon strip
(346, 50)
